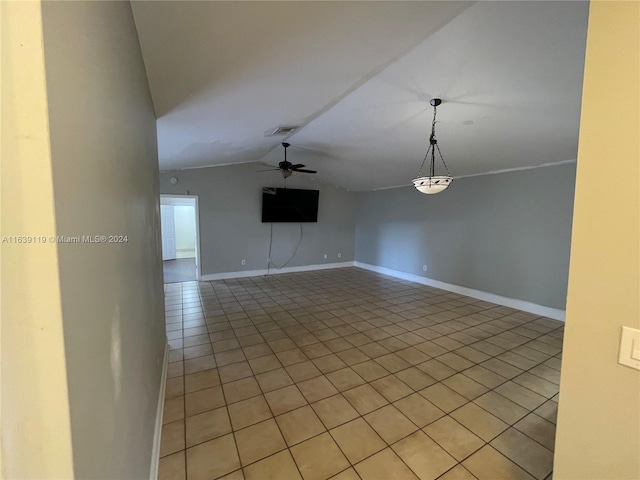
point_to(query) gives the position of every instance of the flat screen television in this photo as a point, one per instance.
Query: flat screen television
(289, 205)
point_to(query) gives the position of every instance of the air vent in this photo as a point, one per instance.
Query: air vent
(281, 131)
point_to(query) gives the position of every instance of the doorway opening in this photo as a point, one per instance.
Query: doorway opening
(180, 238)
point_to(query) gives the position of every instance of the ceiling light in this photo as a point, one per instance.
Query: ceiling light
(433, 183)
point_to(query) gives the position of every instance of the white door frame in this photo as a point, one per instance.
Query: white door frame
(197, 213)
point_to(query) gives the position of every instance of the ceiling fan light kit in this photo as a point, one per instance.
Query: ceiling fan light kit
(432, 183)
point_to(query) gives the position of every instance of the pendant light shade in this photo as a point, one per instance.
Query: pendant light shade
(432, 183)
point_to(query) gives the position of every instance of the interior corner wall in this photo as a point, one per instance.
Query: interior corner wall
(230, 205)
(598, 432)
(105, 182)
(507, 234)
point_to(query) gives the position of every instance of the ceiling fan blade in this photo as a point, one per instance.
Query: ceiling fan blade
(301, 170)
(297, 165)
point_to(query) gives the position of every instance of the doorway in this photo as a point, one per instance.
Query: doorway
(180, 238)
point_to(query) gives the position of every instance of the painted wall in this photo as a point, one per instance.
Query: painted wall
(185, 223)
(36, 435)
(506, 234)
(105, 182)
(598, 433)
(230, 205)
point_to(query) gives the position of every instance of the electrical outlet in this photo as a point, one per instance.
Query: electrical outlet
(339, 255)
(242, 262)
(325, 256)
(424, 268)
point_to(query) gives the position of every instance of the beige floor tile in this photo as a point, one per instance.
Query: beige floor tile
(241, 390)
(537, 384)
(488, 464)
(207, 426)
(424, 456)
(265, 363)
(299, 425)
(373, 350)
(303, 371)
(173, 409)
(348, 474)
(457, 440)
(436, 369)
(530, 455)
(345, 379)
(174, 387)
(259, 441)
(391, 388)
(291, 357)
(229, 357)
(392, 362)
(285, 399)
(197, 351)
(503, 408)
(352, 356)
(457, 473)
(479, 421)
(212, 459)
(317, 388)
(329, 363)
(249, 412)
(357, 440)
(390, 423)
(455, 361)
(319, 458)
(501, 368)
(548, 411)
(365, 399)
(276, 467)
(172, 439)
(443, 397)
(334, 411)
(234, 371)
(199, 364)
(370, 370)
(413, 355)
(465, 386)
(256, 350)
(418, 409)
(201, 380)
(541, 430)
(203, 400)
(173, 467)
(175, 370)
(274, 380)
(415, 378)
(485, 377)
(316, 350)
(384, 465)
(522, 396)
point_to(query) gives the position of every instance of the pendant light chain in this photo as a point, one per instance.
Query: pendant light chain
(433, 142)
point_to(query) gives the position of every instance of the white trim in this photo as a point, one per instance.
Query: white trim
(523, 305)
(273, 271)
(155, 451)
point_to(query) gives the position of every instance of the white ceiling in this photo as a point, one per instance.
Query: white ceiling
(358, 76)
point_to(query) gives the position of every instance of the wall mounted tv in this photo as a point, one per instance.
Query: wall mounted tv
(289, 205)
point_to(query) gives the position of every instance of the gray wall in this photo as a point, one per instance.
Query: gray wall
(230, 203)
(507, 234)
(105, 180)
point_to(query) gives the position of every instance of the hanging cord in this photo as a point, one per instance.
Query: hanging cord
(270, 263)
(433, 144)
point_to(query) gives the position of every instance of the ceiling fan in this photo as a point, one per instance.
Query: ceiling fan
(287, 168)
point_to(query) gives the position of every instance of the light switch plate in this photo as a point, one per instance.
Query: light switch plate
(630, 348)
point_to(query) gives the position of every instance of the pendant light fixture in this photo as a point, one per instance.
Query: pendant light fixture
(432, 183)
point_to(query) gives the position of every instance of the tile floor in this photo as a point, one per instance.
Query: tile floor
(348, 374)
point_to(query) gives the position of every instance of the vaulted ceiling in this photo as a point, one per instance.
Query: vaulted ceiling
(357, 77)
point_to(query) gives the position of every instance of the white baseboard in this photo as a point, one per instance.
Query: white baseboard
(155, 451)
(523, 305)
(273, 271)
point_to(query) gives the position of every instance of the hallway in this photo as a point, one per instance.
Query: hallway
(348, 374)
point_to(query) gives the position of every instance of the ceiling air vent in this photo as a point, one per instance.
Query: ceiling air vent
(281, 131)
